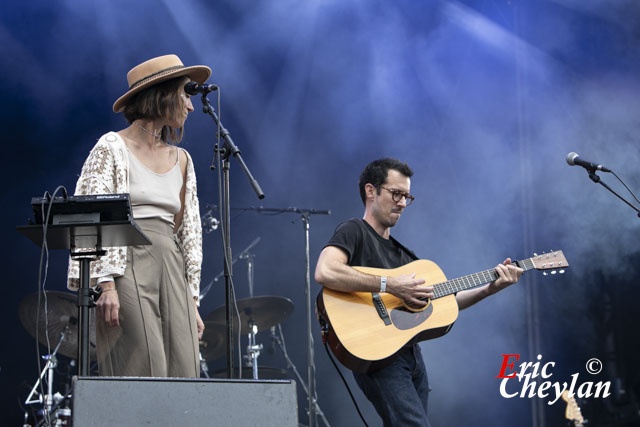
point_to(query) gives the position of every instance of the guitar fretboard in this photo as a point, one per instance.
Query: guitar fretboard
(472, 280)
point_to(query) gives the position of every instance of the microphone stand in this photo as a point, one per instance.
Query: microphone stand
(305, 215)
(225, 153)
(596, 178)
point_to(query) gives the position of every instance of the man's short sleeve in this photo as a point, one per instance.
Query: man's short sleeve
(348, 237)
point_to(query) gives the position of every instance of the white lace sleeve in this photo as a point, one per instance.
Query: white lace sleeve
(190, 233)
(99, 176)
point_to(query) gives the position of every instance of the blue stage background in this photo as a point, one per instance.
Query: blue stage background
(482, 98)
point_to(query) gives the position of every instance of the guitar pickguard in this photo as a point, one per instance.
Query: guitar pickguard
(404, 318)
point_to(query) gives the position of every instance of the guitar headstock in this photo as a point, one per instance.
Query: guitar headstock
(573, 413)
(554, 261)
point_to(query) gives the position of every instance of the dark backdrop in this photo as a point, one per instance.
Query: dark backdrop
(483, 98)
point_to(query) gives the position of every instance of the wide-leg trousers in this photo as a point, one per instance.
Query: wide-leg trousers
(157, 336)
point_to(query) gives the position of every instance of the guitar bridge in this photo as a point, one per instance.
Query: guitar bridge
(380, 308)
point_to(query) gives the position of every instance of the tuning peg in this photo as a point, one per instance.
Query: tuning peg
(561, 271)
(553, 272)
(535, 254)
(544, 273)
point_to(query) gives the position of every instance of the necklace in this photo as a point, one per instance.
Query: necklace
(155, 135)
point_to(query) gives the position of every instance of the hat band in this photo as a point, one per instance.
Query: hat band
(154, 75)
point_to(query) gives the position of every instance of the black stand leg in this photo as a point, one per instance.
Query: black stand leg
(86, 299)
(228, 265)
(83, 314)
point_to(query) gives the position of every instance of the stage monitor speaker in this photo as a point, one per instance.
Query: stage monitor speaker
(182, 402)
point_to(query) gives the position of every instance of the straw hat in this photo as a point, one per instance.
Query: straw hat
(157, 70)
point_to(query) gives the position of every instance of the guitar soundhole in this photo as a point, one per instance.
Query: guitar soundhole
(404, 319)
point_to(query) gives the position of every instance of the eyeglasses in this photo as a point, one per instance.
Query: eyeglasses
(397, 195)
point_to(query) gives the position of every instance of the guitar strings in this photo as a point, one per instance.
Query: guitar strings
(471, 280)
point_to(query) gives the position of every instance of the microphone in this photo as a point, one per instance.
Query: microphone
(573, 159)
(193, 88)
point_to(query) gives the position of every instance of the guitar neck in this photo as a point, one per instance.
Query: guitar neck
(472, 280)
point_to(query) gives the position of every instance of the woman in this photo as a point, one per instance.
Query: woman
(147, 321)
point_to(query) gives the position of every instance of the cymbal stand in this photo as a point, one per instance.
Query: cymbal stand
(305, 216)
(52, 362)
(279, 339)
(204, 368)
(250, 262)
(206, 289)
(311, 366)
(253, 349)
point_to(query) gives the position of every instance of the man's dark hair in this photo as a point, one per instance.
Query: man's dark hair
(375, 173)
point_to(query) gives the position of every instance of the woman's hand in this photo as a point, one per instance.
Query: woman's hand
(199, 321)
(108, 304)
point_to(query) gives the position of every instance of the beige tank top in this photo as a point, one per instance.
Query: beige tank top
(154, 195)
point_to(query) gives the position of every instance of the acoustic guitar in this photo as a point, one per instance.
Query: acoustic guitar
(365, 330)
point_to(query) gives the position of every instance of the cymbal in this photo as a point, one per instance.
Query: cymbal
(62, 316)
(264, 311)
(213, 343)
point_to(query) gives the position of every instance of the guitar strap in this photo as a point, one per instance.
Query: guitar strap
(404, 248)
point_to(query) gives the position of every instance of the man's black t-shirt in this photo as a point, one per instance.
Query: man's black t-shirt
(366, 248)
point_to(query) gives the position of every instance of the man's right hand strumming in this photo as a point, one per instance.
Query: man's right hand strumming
(409, 289)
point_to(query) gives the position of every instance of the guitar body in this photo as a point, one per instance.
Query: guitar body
(357, 334)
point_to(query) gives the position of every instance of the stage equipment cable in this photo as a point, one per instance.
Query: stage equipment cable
(47, 202)
(353, 399)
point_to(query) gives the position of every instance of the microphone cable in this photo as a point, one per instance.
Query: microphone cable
(353, 399)
(625, 186)
(47, 203)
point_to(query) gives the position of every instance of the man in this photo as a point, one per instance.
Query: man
(400, 391)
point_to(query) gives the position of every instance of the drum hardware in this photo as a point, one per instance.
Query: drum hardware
(49, 399)
(62, 417)
(264, 311)
(305, 217)
(204, 368)
(264, 372)
(212, 343)
(61, 316)
(279, 339)
(59, 319)
(253, 350)
(209, 222)
(205, 290)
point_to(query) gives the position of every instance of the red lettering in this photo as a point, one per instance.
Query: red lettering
(506, 365)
